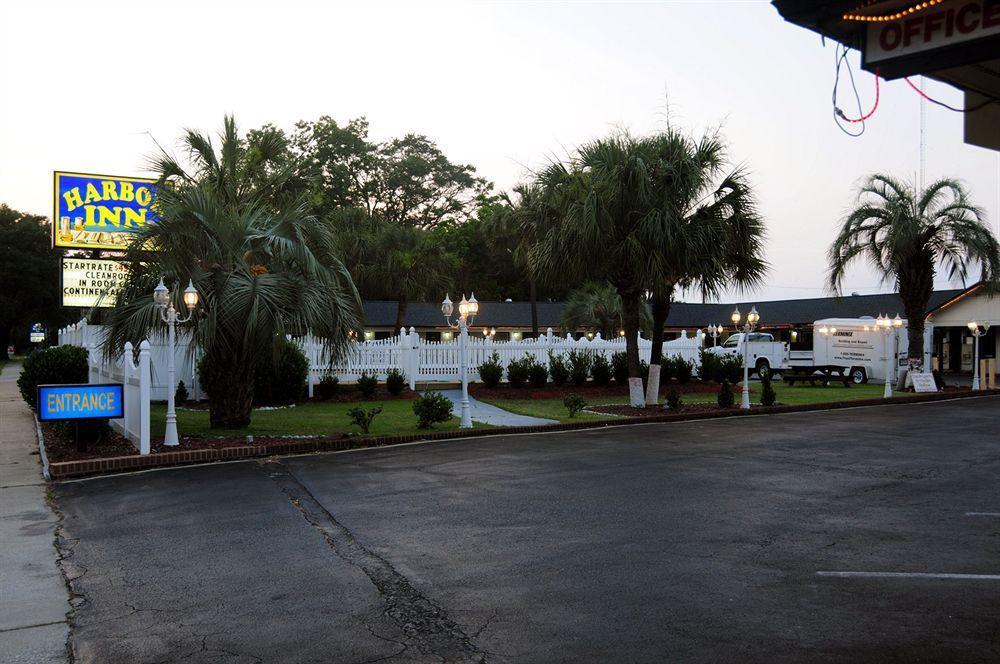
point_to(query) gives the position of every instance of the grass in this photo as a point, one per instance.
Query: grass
(309, 419)
(792, 395)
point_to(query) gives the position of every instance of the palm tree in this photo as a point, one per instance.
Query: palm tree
(264, 268)
(597, 307)
(602, 196)
(905, 234)
(703, 231)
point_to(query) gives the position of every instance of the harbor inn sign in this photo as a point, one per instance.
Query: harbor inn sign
(100, 211)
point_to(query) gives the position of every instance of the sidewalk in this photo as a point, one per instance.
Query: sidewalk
(489, 414)
(33, 597)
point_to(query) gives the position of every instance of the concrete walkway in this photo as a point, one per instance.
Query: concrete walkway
(33, 597)
(488, 414)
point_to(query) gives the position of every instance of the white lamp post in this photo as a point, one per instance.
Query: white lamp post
(889, 327)
(161, 297)
(467, 310)
(714, 331)
(752, 319)
(976, 333)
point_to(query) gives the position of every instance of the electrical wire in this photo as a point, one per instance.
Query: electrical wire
(839, 116)
(944, 105)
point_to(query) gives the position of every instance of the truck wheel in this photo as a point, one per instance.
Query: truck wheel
(859, 375)
(763, 369)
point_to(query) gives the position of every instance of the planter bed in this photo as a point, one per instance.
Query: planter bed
(233, 449)
(550, 391)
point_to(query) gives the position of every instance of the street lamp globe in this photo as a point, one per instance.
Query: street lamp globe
(720, 329)
(447, 308)
(973, 325)
(473, 305)
(160, 294)
(736, 316)
(897, 321)
(753, 317)
(463, 307)
(190, 296)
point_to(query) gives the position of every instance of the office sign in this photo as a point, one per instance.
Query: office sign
(92, 282)
(100, 211)
(931, 29)
(81, 402)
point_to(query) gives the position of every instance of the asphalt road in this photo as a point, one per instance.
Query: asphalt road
(695, 542)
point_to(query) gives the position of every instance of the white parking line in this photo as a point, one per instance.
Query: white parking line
(912, 575)
(982, 514)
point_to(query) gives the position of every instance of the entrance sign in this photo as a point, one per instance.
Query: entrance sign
(100, 211)
(81, 402)
(91, 282)
(923, 382)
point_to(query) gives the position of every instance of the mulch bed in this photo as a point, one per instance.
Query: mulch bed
(557, 392)
(624, 410)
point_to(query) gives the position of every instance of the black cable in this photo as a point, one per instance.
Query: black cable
(840, 56)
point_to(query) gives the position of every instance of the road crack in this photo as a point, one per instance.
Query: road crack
(425, 625)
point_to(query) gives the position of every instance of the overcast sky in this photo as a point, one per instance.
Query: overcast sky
(500, 85)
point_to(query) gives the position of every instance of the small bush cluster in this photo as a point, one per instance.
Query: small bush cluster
(600, 371)
(538, 374)
(519, 371)
(491, 371)
(280, 379)
(367, 383)
(431, 408)
(719, 368)
(363, 418)
(181, 393)
(327, 387)
(395, 381)
(767, 395)
(725, 397)
(674, 399)
(579, 366)
(558, 369)
(574, 404)
(45, 366)
(619, 367)
(676, 367)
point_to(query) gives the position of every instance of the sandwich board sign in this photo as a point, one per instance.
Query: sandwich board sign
(923, 382)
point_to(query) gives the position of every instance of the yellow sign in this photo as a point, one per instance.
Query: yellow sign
(100, 211)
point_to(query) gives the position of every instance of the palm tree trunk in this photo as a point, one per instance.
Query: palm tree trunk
(661, 309)
(400, 311)
(630, 317)
(229, 385)
(533, 297)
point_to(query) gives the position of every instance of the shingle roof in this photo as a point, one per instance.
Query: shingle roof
(690, 315)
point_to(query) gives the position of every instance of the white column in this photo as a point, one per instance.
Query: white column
(928, 346)
(463, 367)
(170, 435)
(890, 359)
(745, 402)
(145, 394)
(413, 369)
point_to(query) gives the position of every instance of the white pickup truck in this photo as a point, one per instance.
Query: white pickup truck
(764, 354)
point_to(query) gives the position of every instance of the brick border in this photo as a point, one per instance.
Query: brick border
(69, 469)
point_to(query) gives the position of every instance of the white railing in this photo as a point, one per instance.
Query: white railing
(132, 370)
(422, 361)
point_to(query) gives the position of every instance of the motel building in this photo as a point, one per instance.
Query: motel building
(948, 339)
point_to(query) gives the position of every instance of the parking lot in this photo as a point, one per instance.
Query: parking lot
(869, 534)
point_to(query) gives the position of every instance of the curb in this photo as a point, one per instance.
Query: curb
(41, 447)
(71, 469)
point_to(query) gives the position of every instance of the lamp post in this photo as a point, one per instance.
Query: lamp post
(977, 332)
(161, 298)
(889, 327)
(715, 331)
(752, 319)
(467, 310)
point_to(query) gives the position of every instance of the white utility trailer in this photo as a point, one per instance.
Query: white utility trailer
(855, 344)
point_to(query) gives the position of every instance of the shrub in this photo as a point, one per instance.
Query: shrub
(574, 404)
(367, 383)
(725, 395)
(395, 381)
(181, 393)
(45, 366)
(431, 408)
(600, 370)
(674, 399)
(538, 373)
(708, 366)
(767, 395)
(644, 370)
(519, 371)
(579, 366)
(558, 369)
(668, 369)
(491, 371)
(280, 379)
(683, 370)
(938, 379)
(718, 368)
(327, 387)
(363, 418)
(619, 367)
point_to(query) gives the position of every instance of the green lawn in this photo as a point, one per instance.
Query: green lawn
(304, 419)
(797, 394)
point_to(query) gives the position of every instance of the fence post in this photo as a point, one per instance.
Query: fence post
(145, 394)
(413, 368)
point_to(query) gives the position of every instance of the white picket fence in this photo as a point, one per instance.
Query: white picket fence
(422, 361)
(132, 370)
(438, 361)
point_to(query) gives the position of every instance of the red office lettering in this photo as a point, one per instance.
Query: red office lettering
(911, 28)
(963, 21)
(932, 24)
(890, 37)
(991, 14)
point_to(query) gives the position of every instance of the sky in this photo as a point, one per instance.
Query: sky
(505, 86)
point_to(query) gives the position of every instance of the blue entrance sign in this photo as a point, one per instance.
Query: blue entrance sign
(81, 402)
